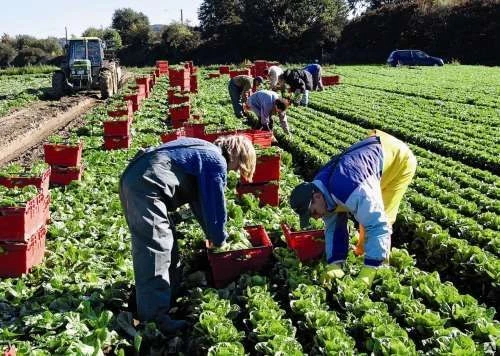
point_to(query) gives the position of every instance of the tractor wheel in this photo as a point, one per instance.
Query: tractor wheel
(58, 85)
(106, 84)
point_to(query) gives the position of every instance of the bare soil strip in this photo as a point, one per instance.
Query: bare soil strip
(28, 127)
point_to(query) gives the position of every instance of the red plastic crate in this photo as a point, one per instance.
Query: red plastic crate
(64, 175)
(117, 142)
(234, 73)
(128, 111)
(179, 77)
(179, 99)
(260, 67)
(267, 193)
(227, 266)
(266, 169)
(174, 135)
(195, 130)
(309, 245)
(63, 155)
(194, 83)
(211, 137)
(223, 69)
(330, 79)
(117, 127)
(136, 100)
(179, 115)
(19, 223)
(17, 258)
(41, 182)
(259, 137)
(146, 81)
(161, 64)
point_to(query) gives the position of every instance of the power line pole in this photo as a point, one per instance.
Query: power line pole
(182, 20)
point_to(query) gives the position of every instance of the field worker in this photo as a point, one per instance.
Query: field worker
(158, 181)
(273, 73)
(315, 70)
(264, 104)
(239, 87)
(300, 82)
(367, 180)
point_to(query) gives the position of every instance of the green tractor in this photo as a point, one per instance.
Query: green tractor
(85, 67)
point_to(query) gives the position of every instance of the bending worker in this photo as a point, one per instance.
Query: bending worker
(264, 104)
(300, 82)
(367, 180)
(158, 181)
(239, 88)
(273, 73)
(316, 72)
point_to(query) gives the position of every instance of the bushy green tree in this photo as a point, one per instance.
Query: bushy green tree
(7, 54)
(112, 38)
(30, 56)
(179, 40)
(132, 26)
(93, 32)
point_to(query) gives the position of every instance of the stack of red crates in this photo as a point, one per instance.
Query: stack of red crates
(23, 229)
(147, 81)
(265, 181)
(65, 162)
(117, 133)
(138, 97)
(180, 78)
(161, 68)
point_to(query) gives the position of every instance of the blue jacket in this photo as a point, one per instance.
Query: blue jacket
(313, 68)
(351, 183)
(205, 162)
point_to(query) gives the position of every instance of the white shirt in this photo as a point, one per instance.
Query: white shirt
(274, 73)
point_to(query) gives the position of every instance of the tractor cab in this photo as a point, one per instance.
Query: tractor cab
(86, 67)
(85, 59)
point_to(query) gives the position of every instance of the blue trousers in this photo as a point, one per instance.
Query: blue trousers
(154, 245)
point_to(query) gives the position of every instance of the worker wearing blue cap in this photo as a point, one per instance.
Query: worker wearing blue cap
(367, 180)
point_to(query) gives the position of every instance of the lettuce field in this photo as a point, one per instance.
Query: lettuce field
(437, 296)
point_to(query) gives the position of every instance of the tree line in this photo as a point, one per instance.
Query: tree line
(291, 31)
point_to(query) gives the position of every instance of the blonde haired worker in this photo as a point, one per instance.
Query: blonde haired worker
(158, 181)
(367, 180)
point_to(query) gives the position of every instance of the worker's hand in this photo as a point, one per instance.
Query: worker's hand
(333, 271)
(367, 275)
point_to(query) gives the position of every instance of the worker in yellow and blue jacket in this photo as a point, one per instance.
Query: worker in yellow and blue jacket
(367, 180)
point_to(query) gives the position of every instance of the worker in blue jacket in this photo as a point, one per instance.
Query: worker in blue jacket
(368, 180)
(158, 181)
(316, 72)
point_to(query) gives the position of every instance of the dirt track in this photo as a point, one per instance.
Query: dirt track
(22, 130)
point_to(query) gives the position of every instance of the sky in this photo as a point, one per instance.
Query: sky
(43, 18)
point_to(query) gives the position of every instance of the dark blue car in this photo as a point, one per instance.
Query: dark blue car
(412, 57)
